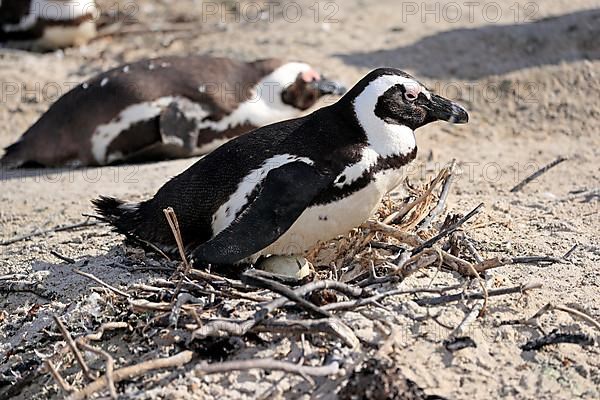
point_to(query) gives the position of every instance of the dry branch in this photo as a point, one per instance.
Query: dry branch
(262, 282)
(73, 346)
(447, 231)
(134, 371)
(268, 364)
(101, 282)
(537, 174)
(556, 337)
(441, 204)
(58, 377)
(110, 364)
(331, 326)
(435, 301)
(59, 228)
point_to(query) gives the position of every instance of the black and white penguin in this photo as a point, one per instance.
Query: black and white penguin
(48, 24)
(284, 187)
(163, 108)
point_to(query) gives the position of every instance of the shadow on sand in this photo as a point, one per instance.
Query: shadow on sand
(493, 49)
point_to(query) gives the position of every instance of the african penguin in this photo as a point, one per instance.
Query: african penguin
(284, 187)
(164, 108)
(47, 24)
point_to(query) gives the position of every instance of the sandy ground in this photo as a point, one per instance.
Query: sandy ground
(530, 80)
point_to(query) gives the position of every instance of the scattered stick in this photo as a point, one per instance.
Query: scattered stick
(441, 204)
(395, 217)
(134, 371)
(537, 174)
(468, 242)
(569, 253)
(537, 260)
(331, 326)
(502, 261)
(268, 364)
(59, 228)
(556, 337)
(58, 377)
(471, 316)
(435, 301)
(354, 304)
(109, 326)
(36, 288)
(447, 231)
(391, 231)
(101, 282)
(550, 307)
(262, 282)
(73, 346)
(110, 364)
(183, 298)
(61, 257)
(174, 224)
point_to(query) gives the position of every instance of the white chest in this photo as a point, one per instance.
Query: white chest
(325, 222)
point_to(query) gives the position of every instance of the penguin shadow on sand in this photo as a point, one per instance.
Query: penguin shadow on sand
(475, 53)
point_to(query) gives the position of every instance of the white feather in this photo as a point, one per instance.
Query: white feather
(324, 222)
(265, 106)
(385, 139)
(106, 133)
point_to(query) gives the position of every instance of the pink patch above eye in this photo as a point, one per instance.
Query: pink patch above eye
(412, 91)
(310, 76)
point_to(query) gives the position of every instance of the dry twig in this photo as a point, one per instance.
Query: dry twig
(57, 377)
(101, 282)
(267, 364)
(73, 346)
(134, 371)
(537, 174)
(435, 301)
(59, 228)
(447, 231)
(110, 364)
(556, 337)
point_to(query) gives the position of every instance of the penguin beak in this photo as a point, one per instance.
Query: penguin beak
(443, 109)
(325, 86)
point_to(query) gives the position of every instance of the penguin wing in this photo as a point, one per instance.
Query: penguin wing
(178, 124)
(286, 192)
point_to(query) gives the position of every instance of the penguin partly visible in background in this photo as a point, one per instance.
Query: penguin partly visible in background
(47, 24)
(164, 108)
(284, 187)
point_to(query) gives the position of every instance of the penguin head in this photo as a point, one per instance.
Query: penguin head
(308, 87)
(393, 97)
(297, 85)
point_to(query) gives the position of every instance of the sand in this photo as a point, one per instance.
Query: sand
(530, 81)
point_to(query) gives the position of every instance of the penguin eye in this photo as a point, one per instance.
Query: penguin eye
(410, 96)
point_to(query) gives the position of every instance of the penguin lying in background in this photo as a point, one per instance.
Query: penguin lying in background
(284, 187)
(165, 108)
(47, 24)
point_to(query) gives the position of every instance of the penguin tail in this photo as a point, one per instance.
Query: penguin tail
(124, 217)
(14, 156)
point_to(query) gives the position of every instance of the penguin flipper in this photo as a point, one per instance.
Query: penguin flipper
(178, 124)
(286, 192)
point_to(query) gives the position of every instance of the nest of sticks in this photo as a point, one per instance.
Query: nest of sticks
(189, 318)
